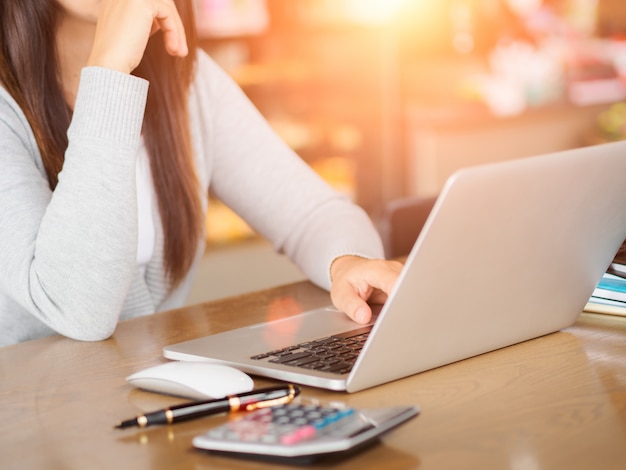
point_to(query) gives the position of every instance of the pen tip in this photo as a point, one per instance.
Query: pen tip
(125, 424)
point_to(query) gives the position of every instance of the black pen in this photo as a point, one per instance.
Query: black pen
(249, 401)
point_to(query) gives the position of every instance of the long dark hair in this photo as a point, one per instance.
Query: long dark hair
(29, 72)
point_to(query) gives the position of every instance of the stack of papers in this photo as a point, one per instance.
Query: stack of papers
(610, 294)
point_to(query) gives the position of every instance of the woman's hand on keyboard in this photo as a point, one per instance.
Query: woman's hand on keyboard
(357, 281)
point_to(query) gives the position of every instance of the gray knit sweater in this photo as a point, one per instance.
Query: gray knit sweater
(68, 258)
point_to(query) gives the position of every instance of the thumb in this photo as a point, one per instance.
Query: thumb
(346, 298)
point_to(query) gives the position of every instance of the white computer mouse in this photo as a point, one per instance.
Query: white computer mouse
(196, 380)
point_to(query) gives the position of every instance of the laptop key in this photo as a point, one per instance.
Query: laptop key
(353, 333)
(290, 357)
(302, 361)
(334, 354)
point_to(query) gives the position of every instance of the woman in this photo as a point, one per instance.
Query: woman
(113, 127)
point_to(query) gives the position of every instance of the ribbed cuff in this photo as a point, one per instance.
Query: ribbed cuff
(110, 105)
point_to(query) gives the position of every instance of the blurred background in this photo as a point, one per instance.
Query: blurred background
(386, 98)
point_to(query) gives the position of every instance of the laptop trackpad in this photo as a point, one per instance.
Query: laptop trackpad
(269, 335)
(307, 326)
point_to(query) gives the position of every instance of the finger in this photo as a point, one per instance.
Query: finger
(383, 276)
(352, 301)
(124, 27)
(170, 23)
(358, 281)
(378, 297)
(155, 27)
(379, 276)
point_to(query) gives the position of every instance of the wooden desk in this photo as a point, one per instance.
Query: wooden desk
(557, 402)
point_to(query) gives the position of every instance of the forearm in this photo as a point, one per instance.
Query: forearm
(69, 256)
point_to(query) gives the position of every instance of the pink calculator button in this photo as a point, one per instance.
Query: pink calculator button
(298, 435)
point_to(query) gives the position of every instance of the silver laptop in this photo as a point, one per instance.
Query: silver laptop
(511, 251)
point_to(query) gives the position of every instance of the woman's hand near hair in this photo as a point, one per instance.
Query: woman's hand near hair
(357, 281)
(124, 27)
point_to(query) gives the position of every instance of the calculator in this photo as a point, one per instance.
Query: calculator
(302, 432)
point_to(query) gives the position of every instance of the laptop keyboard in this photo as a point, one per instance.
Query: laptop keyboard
(335, 354)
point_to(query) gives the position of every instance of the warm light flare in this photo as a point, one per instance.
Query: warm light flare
(373, 11)
(524, 7)
(279, 334)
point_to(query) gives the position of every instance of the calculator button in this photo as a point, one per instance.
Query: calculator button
(287, 425)
(269, 439)
(298, 435)
(309, 430)
(349, 427)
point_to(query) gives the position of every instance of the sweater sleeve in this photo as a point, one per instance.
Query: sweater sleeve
(68, 256)
(276, 192)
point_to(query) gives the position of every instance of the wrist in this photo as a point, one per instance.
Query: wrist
(340, 262)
